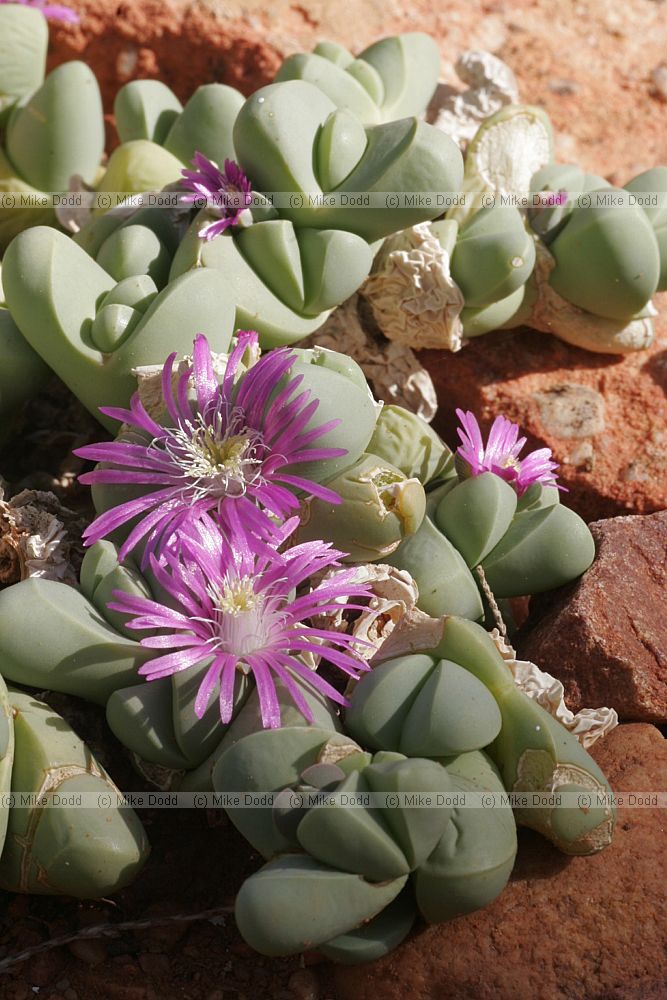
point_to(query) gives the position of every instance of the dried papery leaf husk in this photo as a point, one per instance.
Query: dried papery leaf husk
(415, 300)
(38, 538)
(491, 85)
(588, 724)
(394, 595)
(508, 148)
(391, 367)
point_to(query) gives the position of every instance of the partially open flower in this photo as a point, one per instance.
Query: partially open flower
(233, 598)
(500, 455)
(225, 193)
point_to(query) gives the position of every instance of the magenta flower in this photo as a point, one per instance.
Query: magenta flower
(232, 598)
(226, 193)
(501, 454)
(51, 11)
(235, 442)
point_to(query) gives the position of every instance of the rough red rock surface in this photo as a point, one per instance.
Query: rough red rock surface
(563, 929)
(604, 417)
(605, 637)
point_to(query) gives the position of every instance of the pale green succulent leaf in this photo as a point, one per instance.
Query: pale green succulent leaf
(53, 638)
(354, 840)
(24, 39)
(542, 549)
(376, 938)
(64, 849)
(206, 125)
(274, 907)
(476, 514)
(145, 109)
(446, 585)
(452, 713)
(59, 130)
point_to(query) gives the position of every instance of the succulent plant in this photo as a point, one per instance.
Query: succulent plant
(493, 256)
(380, 507)
(393, 78)
(492, 511)
(53, 128)
(24, 38)
(533, 752)
(22, 371)
(77, 645)
(345, 893)
(62, 848)
(93, 329)
(527, 242)
(158, 136)
(283, 272)
(607, 256)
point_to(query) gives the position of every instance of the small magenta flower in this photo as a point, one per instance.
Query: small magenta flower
(501, 454)
(235, 442)
(51, 11)
(226, 193)
(232, 597)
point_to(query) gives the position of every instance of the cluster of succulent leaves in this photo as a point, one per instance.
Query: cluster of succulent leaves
(135, 285)
(95, 307)
(349, 875)
(610, 259)
(401, 502)
(64, 849)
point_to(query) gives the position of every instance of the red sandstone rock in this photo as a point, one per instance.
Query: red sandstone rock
(563, 929)
(605, 637)
(604, 417)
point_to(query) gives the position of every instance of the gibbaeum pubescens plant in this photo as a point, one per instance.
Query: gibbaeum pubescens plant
(245, 492)
(353, 854)
(530, 242)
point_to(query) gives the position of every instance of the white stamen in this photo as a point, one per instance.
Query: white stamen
(221, 458)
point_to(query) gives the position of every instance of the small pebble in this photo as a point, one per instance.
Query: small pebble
(89, 950)
(304, 985)
(563, 87)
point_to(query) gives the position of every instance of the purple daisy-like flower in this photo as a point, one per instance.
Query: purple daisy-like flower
(51, 11)
(232, 599)
(226, 193)
(235, 442)
(500, 455)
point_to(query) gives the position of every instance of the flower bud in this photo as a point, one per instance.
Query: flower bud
(409, 443)
(380, 507)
